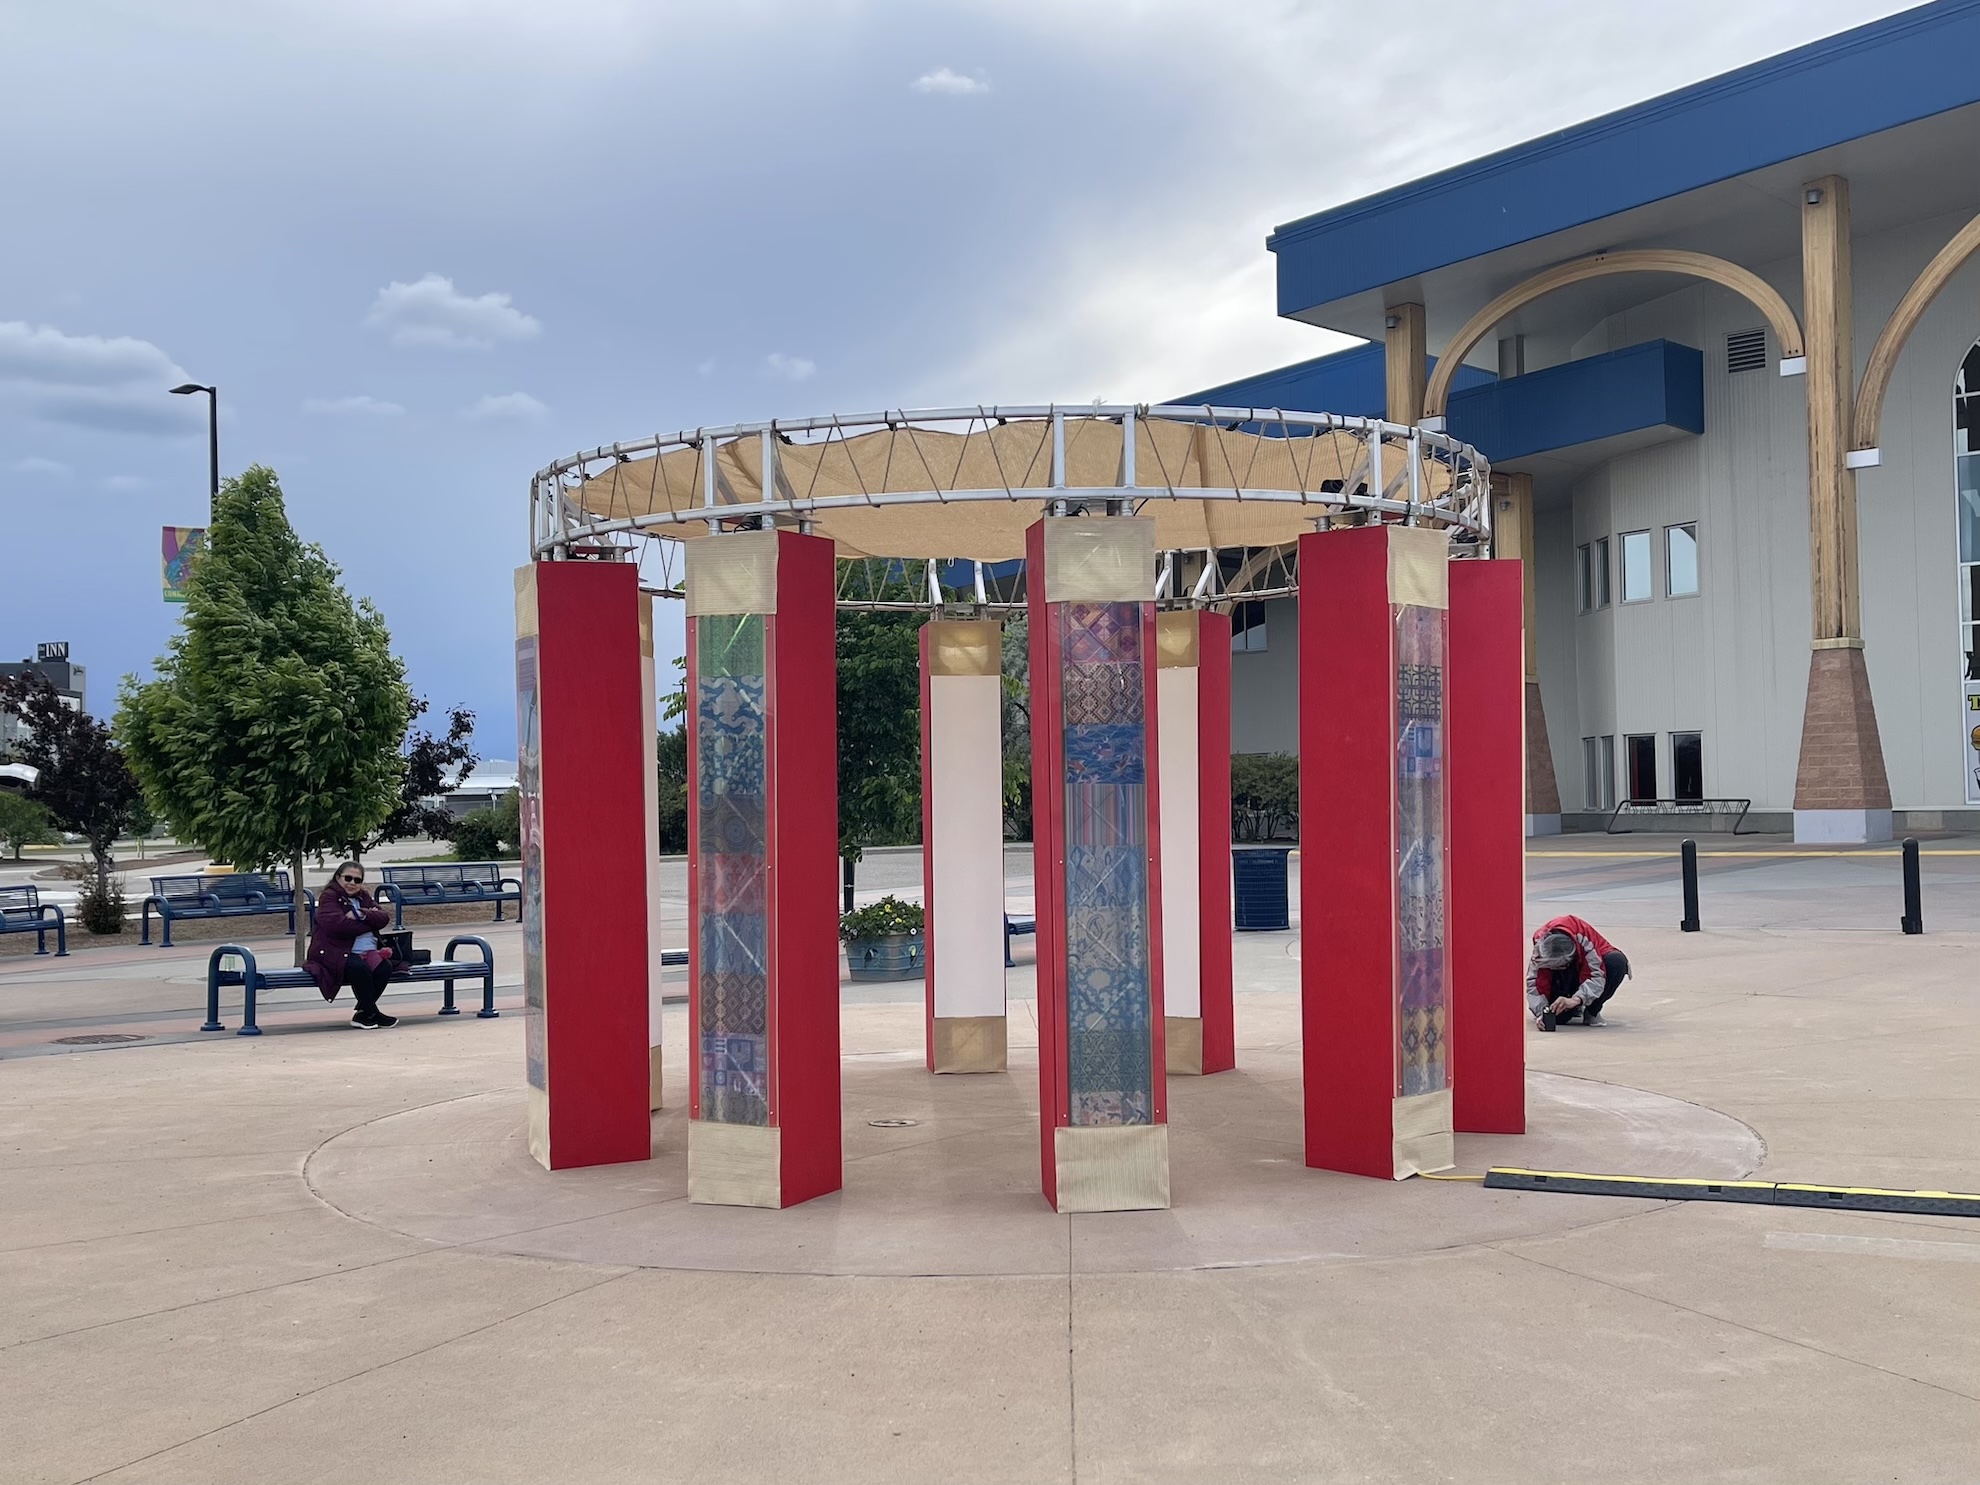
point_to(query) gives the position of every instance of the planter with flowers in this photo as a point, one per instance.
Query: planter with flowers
(885, 940)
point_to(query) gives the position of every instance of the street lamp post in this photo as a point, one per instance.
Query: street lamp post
(212, 441)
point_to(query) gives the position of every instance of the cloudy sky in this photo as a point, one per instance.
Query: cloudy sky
(425, 246)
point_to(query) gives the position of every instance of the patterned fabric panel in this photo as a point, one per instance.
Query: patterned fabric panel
(732, 939)
(1421, 1064)
(1109, 1040)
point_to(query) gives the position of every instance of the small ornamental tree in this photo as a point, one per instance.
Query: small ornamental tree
(433, 766)
(23, 823)
(273, 728)
(84, 780)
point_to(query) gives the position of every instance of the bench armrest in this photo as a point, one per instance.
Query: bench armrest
(487, 954)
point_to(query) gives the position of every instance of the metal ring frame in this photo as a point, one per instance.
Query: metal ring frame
(1385, 483)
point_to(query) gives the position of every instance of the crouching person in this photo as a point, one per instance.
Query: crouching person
(1572, 972)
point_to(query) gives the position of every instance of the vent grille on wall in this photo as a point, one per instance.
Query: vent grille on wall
(1746, 350)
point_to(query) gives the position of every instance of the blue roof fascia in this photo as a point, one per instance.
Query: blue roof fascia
(1891, 72)
(1353, 383)
(1657, 384)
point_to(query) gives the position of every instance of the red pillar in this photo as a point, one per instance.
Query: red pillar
(1096, 846)
(1372, 829)
(1488, 852)
(1213, 841)
(582, 738)
(763, 851)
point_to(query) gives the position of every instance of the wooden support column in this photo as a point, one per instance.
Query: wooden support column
(1404, 358)
(1512, 539)
(1841, 792)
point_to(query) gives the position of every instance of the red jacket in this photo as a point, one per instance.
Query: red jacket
(1584, 977)
(334, 930)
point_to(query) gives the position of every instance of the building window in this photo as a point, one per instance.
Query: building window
(1247, 627)
(1642, 748)
(1635, 566)
(1681, 560)
(1591, 775)
(1602, 572)
(1584, 570)
(1608, 766)
(1687, 765)
(1966, 466)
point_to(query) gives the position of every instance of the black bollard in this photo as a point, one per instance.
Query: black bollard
(1914, 910)
(846, 880)
(1689, 852)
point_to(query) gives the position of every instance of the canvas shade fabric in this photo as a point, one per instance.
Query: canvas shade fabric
(1017, 456)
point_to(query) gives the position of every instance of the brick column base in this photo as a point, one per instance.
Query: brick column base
(1543, 794)
(1841, 792)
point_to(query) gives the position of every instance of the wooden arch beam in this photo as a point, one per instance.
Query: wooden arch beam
(1897, 330)
(1761, 294)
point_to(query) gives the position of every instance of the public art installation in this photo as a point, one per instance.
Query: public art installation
(1122, 536)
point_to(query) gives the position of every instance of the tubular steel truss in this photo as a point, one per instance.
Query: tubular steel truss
(928, 507)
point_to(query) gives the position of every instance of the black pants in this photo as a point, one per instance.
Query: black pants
(1615, 969)
(366, 983)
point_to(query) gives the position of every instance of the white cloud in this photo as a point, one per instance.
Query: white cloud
(955, 84)
(116, 383)
(361, 405)
(123, 484)
(53, 469)
(789, 368)
(431, 312)
(513, 407)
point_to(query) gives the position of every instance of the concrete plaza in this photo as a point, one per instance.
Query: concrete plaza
(321, 1255)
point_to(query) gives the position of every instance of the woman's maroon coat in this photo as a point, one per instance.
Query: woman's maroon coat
(333, 931)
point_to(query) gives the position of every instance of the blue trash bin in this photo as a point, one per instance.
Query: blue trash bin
(1259, 875)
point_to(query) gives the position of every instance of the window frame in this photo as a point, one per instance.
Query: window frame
(1601, 545)
(1670, 569)
(1584, 577)
(1698, 737)
(1630, 739)
(1622, 567)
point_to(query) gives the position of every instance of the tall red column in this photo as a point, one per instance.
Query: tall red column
(763, 830)
(1096, 846)
(583, 737)
(1193, 710)
(1373, 983)
(1488, 852)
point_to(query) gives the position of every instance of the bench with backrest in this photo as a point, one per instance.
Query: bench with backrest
(240, 894)
(1682, 811)
(1012, 928)
(446, 886)
(252, 978)
(23, 911)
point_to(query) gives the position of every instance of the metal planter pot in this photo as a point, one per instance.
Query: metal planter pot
(888, 956)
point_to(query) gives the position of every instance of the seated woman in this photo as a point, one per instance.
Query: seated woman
(343, 946)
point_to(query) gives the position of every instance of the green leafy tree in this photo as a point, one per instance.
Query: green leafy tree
(1016, 676)
(24, 823)
(673, 770)
(272, 731)
(1264, 796)
(879, 658)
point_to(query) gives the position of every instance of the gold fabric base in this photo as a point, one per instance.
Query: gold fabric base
(1182, 1036)
(1176, 641)
(653, 1080)
(735, 573)
(971, 1044)
(1419, 566)
(539, 1127)
(1113, 1169)
(965, 646)
(1422, 1131)
(734, 1165)
(1099, 559)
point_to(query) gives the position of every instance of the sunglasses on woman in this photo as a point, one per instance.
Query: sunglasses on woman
(350, 881)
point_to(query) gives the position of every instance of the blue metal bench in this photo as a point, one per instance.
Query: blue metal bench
(1014, 927)
(23, 911)
(241, 894)
(445, 886)
(252, 978)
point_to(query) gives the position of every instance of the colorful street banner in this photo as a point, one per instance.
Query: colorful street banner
(178, 547)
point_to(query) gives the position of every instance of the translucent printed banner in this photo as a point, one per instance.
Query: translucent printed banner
(178, 546)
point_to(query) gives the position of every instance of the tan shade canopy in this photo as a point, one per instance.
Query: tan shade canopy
(1016, 456)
